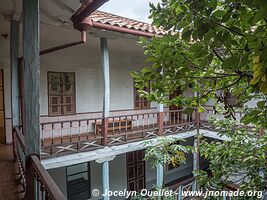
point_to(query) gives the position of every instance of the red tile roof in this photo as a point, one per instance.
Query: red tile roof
(125, 24)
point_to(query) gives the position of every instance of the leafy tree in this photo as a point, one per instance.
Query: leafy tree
(214, 47)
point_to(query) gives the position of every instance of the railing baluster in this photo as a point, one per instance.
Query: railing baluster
(87, 128)
(79, 131)
(61, 132)
(47, 196)
(113, 124)
(42, 191)
(132, 119)
(148, 121)
(137, 122)
(126, 124)
(119, 123)
(70, 132)
(143, 121)
(42, 140)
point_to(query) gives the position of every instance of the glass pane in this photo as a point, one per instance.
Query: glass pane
(77, 168)
(54, 77)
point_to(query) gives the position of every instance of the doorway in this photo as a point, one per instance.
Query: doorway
(2, 109)
(136, 168)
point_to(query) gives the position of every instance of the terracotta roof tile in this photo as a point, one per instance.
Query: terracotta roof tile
(123, 22)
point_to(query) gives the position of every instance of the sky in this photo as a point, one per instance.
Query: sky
(134, 9)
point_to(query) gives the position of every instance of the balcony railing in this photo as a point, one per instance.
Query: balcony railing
(42, 185)
(70, 136)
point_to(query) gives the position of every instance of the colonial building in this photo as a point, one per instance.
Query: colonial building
(69, 105)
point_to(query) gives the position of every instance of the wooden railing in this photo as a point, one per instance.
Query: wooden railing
(43, 187)
(64, 137)
(70, 136)
(19, 153)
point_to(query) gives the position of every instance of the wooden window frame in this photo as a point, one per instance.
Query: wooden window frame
(141, 101)
(62, 96)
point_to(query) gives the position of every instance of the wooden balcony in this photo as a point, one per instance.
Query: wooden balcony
(70, 136)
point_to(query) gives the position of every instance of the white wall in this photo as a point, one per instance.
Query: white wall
(85, 61)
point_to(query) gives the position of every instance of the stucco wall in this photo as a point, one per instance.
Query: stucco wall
(86, 63)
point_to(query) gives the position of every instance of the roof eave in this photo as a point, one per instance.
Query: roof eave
(86, 9)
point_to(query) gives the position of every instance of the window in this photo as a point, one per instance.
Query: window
(140, 102)
(78, 182)
(61, 93)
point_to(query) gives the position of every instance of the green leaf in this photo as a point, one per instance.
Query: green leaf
(231, 62)
(261, 104)
(219, 13)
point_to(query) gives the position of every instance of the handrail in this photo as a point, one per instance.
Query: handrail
(69, 121)
(50, 186)
(20, 137)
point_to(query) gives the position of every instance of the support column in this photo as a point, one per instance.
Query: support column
(106, 95)
(14, 65)
(160, 175)
(105, 175)
(196, 160)
(196, 144)
(160, 119)
(31, 115)
(160, 114)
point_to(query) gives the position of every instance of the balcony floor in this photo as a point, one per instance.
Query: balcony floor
(10, 188)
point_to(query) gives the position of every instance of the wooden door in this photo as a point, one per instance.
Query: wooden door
(2, 111)
(136, 168)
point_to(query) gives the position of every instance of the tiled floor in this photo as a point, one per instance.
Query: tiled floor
(10, 189)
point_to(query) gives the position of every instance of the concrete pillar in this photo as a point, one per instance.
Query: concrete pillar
(31, 58)
(105, 67)
(160, 175)
(14, 63)
(106, 95)
(160, 108)
(196, 160)
(105, 174)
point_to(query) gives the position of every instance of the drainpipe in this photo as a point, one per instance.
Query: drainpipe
(63, 46)
(67, 45)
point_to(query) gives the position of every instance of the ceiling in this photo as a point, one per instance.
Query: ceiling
(53, 12)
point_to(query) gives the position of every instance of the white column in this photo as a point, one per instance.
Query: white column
(14, 56)
(160, 175)
(196, 159)
(105, 67)
(160, 106)
(105, 174)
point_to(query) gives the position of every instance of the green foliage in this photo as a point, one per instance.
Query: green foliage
(168, 151)
(242, 155)
(213, 46)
